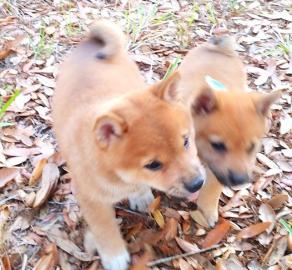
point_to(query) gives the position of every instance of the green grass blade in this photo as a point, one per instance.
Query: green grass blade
(286, 226)
(4, 108)
(172, 67)
(6, 124)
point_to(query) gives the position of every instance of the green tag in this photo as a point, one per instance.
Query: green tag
(214, 84)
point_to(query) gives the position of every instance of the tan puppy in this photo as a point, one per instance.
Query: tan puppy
(117, 138)
(229, 121)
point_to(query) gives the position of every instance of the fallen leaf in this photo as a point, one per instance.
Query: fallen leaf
(7, 175)
(217, 234)
(141, 263)
(183, 265)
(253, 230)
(37, 171)
(49, 260)
(186, 246)
(266, 213)
(266, 161)
(11, 162)
(170, 229)
(276, 251)
(154, 205)
(159, 218)
(5, 263)
(198, 217)
(49, 182)
(10, 47)
(278, 201)
(69, 246)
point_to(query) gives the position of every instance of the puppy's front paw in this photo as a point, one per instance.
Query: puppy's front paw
(118, 262)
(141, 201)
(211, 217)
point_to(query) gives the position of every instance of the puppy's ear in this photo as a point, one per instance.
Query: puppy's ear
(263, 102)
(109, 127)
(167, 89)
(205, 102)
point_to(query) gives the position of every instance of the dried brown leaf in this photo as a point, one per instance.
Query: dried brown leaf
(49, 260)
(186, 246)
(154, 205)
(266, 213)
(216, 234)
(276, 251)
(49, 182)
(69, 246)
(253, 230)
(141, 263)
(198, 217)
(278, 201)
(7, 175)
(183, 265)
(37, 172)
(5, 263)
(159, 218)
(170, 229)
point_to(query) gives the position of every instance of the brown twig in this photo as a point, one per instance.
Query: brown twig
(168, 259)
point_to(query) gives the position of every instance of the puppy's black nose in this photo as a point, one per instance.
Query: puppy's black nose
(237, 178)
(195, 184)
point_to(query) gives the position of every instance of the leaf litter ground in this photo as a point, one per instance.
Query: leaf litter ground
(40, 222)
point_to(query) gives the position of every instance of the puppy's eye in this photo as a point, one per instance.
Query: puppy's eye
(154, 165)
(186, 142)
(251, 148)
(219, 147)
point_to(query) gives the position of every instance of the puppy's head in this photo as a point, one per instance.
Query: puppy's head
(229, 126)
(150, 141)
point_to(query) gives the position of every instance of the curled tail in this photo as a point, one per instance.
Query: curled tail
(110, 38)
(223, 44)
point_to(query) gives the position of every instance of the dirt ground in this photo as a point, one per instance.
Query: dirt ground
(40, 223)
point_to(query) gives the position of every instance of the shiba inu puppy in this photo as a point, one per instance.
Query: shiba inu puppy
(116, 137)
(229, 120)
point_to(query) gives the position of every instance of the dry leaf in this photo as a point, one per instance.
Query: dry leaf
(277, 251)
(49, 182)
(170, 229)
(7, 175)
(10, 47)
(69, 246)
(5, 263)
(49, 260)
(154, 205)
(198, 217)
(37, 172)
(278, 201)
(140, 264)
(11, 162)
(253, 230)
(266, 213)
(158, 218)
(217, 234)
(186, 246)
(183, 265)
(266, 161)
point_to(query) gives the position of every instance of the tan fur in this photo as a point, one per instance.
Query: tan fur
(231, 116)
(109, 126)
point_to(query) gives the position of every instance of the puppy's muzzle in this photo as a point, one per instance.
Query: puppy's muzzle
(232, 178)
(195, 184)
(237, 179)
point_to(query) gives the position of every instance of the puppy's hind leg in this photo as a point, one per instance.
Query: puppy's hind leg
(141, 199)
(105, 231)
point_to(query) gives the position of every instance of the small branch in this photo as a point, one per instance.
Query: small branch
(168, 259)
